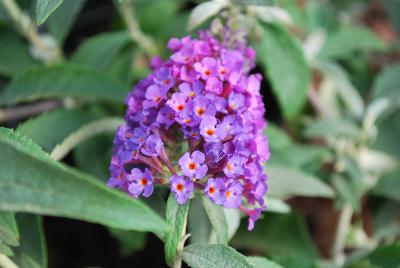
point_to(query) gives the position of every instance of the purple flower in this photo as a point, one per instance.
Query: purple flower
(209, 131)
(236, 101)
(152, 146)
(253, 216)
(234, 166)
(166, 116)
(182, 188)
(140, 183)
(203, 106)
(207, 68)
(233, 194)
(191, 91)
(118, 175)
(215, 189)
(154, 95)
(192, 165)
(214, 85)
(177, 102)
(231, 124)
(164, 78)
(215, 155)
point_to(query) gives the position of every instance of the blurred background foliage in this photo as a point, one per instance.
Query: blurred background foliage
(332, 93)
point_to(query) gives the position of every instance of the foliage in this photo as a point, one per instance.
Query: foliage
(331, 87)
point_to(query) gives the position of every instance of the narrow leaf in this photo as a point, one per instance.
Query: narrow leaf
(218, 220)
(286, 68)
(204, 11)
(8, 229)
(30, 181)
(214, 256)
(176, 220)
(285, 181)
(44, 8)
(260, 262)
(62, 81)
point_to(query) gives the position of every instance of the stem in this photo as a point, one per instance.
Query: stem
(49, 50)
(23, 111)
(145, 42)
(85, 132)
(345, 216)
(177, 263)
(315, 103)
(6, 262)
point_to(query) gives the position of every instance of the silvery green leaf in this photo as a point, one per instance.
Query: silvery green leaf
(271, 14)
(218, 220)
(261, 262)
(204, 11)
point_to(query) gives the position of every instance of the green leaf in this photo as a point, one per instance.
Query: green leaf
(286, 69)
(44, 8)
(388, 135)
(14, 56)
(6, 250)
(387, 84)
(362, 39)
(392, 8)
(218, 220)
(8, 229)
(176, 220)
(389, 185)
(276, 205)
(203, 12)
(61, 21)
(346, 191)
(32, 252)
(326, 128)
(213, 256)
(282, 234)
(30, 181)
(284, 181)
(62, 81)
(62, 123)
(385, 256)
(100, 51)
(130, 241)
(260, 262)
(280, 139)
(198, 222)
(255, 2)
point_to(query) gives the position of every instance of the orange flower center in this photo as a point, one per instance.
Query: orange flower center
(200, 111)
(207, 72)
(229, 166)
(228, 194)
(210, 132)
(157, 99)
(192, 165)
(222, 71)
(179, 187)
(211, 190)
(166, 82)
(180, 107)
(192, 94)
(143, 182)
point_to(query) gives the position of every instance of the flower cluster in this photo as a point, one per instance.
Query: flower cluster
(204, 97)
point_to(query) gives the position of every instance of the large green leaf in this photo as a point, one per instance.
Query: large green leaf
(32, 251)
(14, 56)
(176, 220)
(31, 182)
(260, 262)
(389, 185)
(62, 123)
(284, 234)
(387, 84)
(326, 128)
(285, 181)
(198, 222)
(362, 39)
(62, 81)
(62, 20)
(213, 256)
(44, 8)
(8, 229)
(218, 220)
(286, 69)
(100, 51)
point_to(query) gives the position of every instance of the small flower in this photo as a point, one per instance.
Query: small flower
(207, 68)
(234, 166)
(182, 188)
(233, 194)
(140, 183)
(236, 101)
(253, 216)
(152, 146)
(203, 106)
(166, 116)
(214, 85)
(178, 102)
(215, 189)
(209, 131)
(231, 124)
(154, 95)
(164, 78)
(192, 165)
(118, 175)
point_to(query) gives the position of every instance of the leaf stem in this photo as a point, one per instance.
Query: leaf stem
(340, 238)
(6, 262)
(145, 42)
(45, 47)
(177, 263)
(85, 132)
